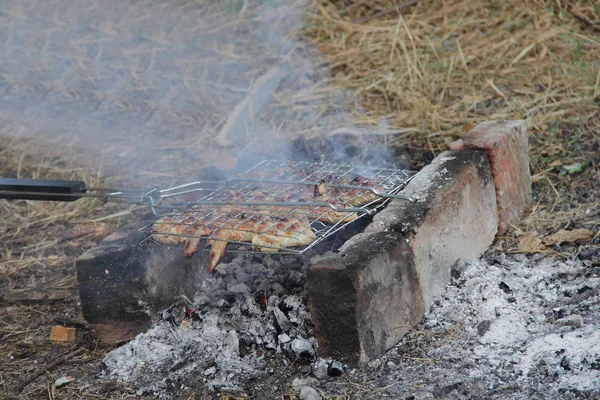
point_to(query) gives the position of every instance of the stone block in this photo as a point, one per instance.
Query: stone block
(125, 280)
(364, 299)
(380, 284)
(506, 144)
(455, 218)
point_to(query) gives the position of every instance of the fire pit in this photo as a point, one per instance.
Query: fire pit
(282, 208)
(366, 289)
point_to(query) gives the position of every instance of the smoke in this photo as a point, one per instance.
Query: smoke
(151, 85)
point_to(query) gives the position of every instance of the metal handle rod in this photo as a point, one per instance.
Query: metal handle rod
(68, 197)
(37, 189)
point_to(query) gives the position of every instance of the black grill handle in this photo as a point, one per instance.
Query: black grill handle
(37, 189)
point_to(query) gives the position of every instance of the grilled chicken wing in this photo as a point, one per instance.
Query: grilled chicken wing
(269, 232)
(265, 232)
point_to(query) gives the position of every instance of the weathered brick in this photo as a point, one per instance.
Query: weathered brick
(366, 297)
(506, 145)
(456, 217)
(121, 284)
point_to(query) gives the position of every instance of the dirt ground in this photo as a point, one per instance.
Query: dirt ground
(73, 109)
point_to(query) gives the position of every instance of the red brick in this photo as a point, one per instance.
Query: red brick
(506, 144)
(366, 297)
(62, 334)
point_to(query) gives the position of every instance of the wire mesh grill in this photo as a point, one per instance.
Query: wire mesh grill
(275, 206)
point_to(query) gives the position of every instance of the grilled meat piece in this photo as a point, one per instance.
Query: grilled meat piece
(265, 230)
(335, 196)
(266, 233)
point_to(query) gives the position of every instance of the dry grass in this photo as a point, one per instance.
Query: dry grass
(443, 66)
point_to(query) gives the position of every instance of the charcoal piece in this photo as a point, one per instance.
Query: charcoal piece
(294, 278)
(483, 327)
(223, 304)
(177, 311)
(320, 368)
(564, 363)
(587, 253)
(583, 289)
(300, 350)
(505, 288)
(292, 302)
(293, 318)
(241, 288)
(283, 321)
(276, 289)
(270, 341)
(335, 368)
(284, 338)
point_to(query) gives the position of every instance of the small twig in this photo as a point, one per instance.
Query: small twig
(72, 323)
(386, 11)
(29, 297)
(551, 185)
(582, 18)
(48, 367)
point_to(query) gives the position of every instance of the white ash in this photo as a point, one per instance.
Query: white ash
(507, 328)
(170, 352)
(517, 303)
(252, 305)
(510, 328)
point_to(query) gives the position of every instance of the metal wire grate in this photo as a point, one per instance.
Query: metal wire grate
(275, 206)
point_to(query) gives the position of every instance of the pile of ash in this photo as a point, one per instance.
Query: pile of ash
(252, 309)
(528, 323)
(506, 327)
